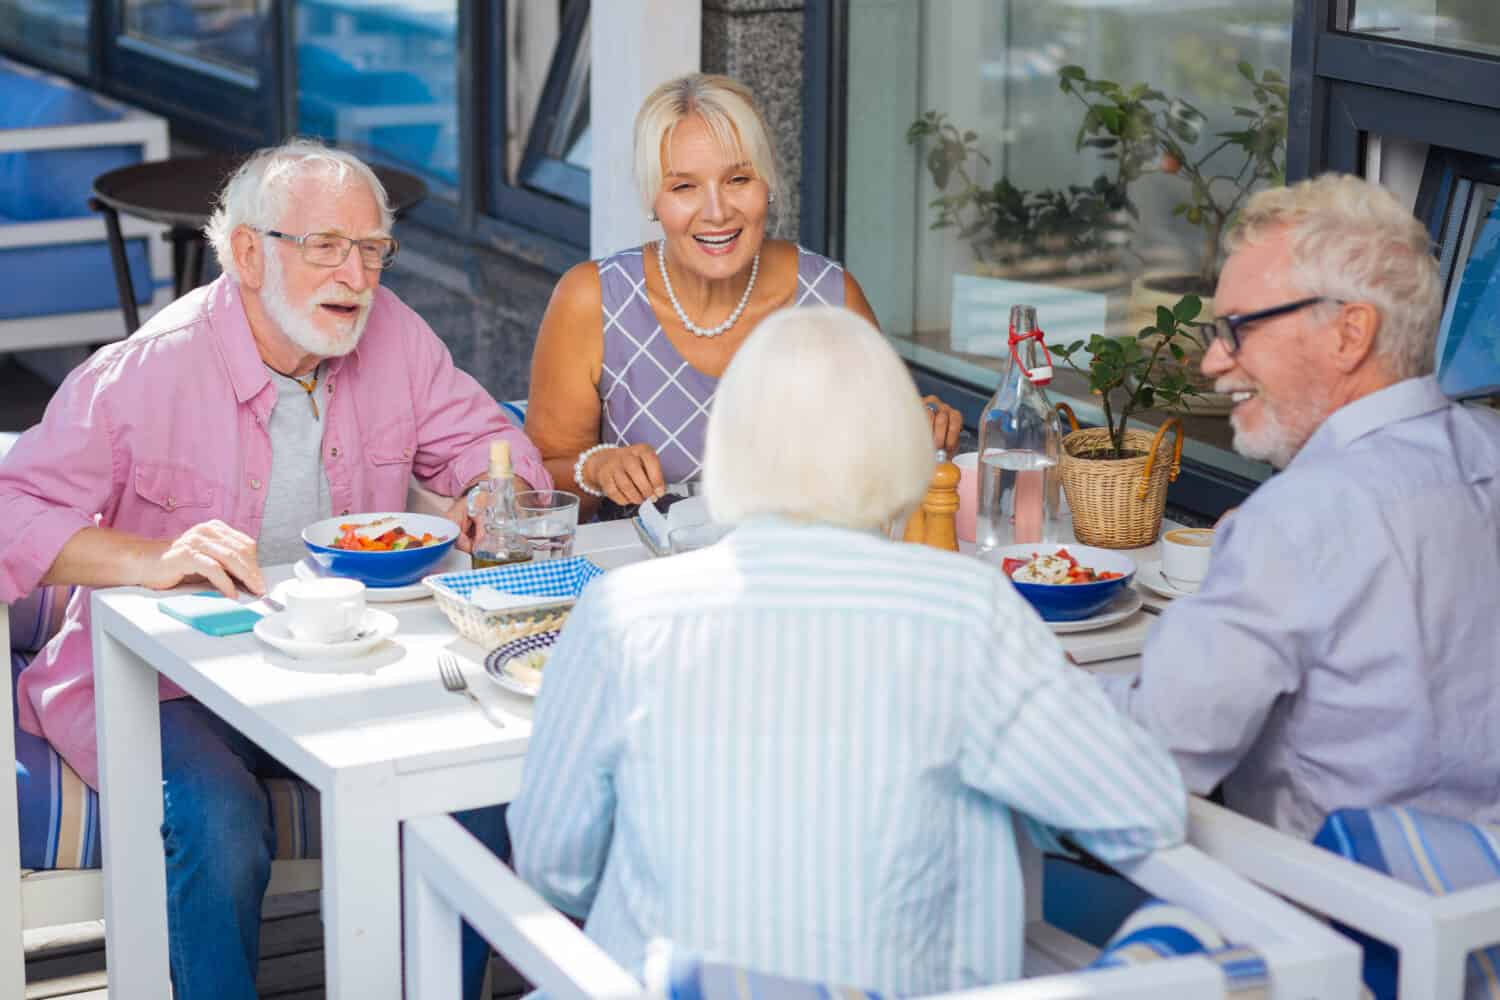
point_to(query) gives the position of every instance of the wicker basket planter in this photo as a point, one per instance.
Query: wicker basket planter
(1117, 503)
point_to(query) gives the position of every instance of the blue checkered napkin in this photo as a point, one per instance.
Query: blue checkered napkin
(495, 661)
(553, 578)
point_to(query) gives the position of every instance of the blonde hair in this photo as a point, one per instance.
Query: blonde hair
(1352, 240)
(729, 110)
(257, 193)
(817, 419)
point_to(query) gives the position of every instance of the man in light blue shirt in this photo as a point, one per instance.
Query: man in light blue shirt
(1343, 648)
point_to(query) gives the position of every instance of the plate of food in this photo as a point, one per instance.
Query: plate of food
(517, 665)
(1066, 583)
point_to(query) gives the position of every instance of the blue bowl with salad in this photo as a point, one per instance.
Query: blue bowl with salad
(380, 550)
(1066, 583)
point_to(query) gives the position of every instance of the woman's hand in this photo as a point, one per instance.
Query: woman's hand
(630, 474)
(946, 424)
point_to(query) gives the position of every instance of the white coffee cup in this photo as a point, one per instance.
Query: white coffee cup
(1184, 556)
(329, 609)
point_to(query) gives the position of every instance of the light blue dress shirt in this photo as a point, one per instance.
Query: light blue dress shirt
(798, 751)
(1344, 649)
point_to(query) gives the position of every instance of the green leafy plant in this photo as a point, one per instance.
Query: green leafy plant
(1001, 222)
(1137, 124)
(1134, 374)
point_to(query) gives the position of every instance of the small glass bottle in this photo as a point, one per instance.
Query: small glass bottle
(497, 538)
(1020, 442)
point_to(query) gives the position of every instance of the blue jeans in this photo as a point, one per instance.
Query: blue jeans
(216, 832)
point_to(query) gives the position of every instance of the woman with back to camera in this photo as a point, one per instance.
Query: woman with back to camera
(632, 346)
(801, 749)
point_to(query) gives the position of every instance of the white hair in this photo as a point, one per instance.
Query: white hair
(1352, 240)
(729, 110)
(256, 195)
(817, 419)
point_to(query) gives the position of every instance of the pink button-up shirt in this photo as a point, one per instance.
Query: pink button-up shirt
(168, 429)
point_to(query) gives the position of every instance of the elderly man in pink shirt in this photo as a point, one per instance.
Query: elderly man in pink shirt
(292, 388)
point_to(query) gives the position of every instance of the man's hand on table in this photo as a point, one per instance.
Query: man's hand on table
(211, 551)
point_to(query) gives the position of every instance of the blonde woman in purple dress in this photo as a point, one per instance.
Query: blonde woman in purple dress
(632, 346)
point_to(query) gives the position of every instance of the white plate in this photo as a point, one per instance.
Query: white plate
(508, 682)
(1121, 608)
(496, 662)
(1149, 576)
(454, 562)
(376, 627)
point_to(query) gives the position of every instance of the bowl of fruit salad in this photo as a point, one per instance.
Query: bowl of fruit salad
(1066, 583)
(381, 550)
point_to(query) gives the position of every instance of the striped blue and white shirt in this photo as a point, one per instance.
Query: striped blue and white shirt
(798, 751)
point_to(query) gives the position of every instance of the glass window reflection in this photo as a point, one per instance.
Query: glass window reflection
(1470, 25)
(380, 78)
(225, 32)
(1009, 181)
(55, 32)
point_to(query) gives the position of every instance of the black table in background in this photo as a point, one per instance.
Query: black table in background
(180, 193)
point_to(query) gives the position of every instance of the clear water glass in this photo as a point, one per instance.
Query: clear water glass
(548, 519)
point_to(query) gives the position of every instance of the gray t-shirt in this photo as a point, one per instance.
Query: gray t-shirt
(297, 494)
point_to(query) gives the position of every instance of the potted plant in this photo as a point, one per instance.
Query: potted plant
(1056, 234)
(1116, 476)
(1143, 123)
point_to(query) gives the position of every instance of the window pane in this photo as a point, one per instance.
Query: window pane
(52, 31)
(1473, 25)
(380, 77)
(995, 202)
(225, 32)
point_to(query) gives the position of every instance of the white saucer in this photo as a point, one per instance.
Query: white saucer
(1149, 575)
(454, 562)
(1121, 608)
(376, 627)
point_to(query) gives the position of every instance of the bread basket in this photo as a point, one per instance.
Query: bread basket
(555, 585)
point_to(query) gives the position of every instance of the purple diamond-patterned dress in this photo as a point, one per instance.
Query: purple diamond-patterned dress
(650, 394)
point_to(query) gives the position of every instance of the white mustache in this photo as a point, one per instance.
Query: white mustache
(336, 299)
(1225, 388)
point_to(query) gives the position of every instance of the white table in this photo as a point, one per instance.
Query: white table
(382, 744)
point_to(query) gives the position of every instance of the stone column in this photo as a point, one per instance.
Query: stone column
(759, 43)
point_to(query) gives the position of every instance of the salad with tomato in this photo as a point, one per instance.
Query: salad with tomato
(1060, 568)
(357, 538)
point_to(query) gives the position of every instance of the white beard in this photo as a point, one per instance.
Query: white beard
(298, 325)
(1280, 435)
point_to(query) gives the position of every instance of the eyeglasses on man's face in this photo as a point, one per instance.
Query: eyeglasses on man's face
(331, 249)
(1226, 330)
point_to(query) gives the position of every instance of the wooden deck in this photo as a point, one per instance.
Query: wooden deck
(68, 963)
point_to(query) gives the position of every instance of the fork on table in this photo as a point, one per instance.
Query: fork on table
(454, 680)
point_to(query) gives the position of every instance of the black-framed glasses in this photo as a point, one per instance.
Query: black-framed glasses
(331, 249)
(1226, 329)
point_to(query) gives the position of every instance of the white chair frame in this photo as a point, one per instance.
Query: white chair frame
(448, 875)
(1432, 934)
(34, 899)
(97, 326)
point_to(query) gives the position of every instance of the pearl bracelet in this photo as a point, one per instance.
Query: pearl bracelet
(578, 469)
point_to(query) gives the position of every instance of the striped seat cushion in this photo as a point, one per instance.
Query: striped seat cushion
(60, 814)
(1435, 854)
(515, 409)
(1155, 931)
(1158, 930)
(675, 974)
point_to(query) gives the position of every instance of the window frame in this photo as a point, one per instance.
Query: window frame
(540, 170)
(544, 229)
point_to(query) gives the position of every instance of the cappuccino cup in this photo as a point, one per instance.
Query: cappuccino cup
(328, 609)
(1184, 557)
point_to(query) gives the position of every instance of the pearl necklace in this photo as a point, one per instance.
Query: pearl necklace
(694, 328)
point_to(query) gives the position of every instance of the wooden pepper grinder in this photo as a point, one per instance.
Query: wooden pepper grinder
(933, 522)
